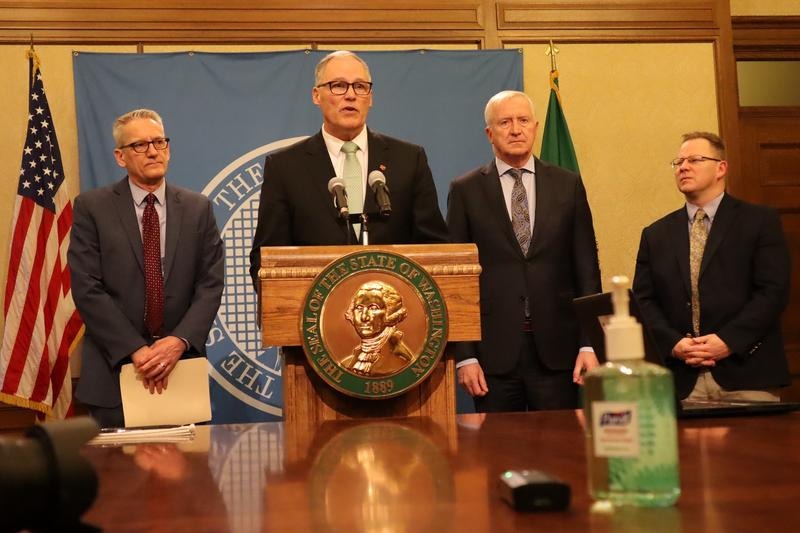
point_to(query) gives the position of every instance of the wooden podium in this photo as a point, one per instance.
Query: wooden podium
(287, 273)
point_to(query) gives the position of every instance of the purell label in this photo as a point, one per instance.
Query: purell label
(615, 426)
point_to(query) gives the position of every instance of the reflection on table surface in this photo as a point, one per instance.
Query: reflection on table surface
(418, 474)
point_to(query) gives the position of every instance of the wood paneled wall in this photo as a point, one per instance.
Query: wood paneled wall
(481, 23)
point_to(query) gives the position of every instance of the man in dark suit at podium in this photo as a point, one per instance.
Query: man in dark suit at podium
(533, 227)
(296, 207)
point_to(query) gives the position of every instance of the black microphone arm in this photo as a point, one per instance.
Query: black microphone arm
(377, 182)
(337, 189)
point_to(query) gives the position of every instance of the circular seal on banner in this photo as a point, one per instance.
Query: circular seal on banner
(374, 324)
(248, 372)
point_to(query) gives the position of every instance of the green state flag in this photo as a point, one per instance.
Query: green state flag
(556, 142)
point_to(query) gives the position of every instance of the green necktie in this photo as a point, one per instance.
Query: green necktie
(353, 181)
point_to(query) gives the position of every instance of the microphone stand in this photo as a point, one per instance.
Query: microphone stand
(358, 218)
(364, 230)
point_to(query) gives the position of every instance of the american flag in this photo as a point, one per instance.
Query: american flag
(41, 322)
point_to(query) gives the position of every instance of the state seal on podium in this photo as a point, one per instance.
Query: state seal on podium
(374, 324)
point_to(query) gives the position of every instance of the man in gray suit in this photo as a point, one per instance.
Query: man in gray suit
(155, 322)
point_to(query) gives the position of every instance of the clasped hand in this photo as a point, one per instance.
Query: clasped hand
(702, 351)
(155, 362)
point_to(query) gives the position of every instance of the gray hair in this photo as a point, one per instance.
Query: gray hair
(501, 97)
(333, 55)
(130, 116)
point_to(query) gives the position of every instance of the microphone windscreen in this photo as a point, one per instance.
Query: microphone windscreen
(335, 182)
(375, 177)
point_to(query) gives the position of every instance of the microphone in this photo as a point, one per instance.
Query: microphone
(337, 189)
(377, 182)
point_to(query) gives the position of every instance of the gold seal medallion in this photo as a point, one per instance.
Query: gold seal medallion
(374, 324)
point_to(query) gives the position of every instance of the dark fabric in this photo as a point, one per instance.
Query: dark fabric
(107, 417)
(743, 286)
(561, 264)
(530, 387)
(296, 208)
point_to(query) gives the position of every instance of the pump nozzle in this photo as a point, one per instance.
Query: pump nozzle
(623, 333)
(619, 295)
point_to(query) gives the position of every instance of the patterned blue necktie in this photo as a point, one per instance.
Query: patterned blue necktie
(520, 216)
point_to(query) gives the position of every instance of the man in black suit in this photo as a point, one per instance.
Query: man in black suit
(533, 228)
(729, 346)
(296, 207)
(108, 261)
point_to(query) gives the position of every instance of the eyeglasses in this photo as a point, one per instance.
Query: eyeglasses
(360, 88)
(141, 147)
(692, 160)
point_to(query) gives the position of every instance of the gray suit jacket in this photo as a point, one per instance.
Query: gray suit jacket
(107, 272)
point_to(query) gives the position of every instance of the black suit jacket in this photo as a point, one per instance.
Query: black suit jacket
(561, 264)
(107, 273)
(744, 287)
(296, 208)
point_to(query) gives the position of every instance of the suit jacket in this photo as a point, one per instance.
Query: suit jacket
(296, 208)
(561, 264)
(107, 269)
(744, 287)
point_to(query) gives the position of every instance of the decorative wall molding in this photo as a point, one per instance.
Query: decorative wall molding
(282, 21)
(659, 18)
(766, 38)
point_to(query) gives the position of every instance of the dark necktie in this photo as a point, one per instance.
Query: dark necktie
(697, 244)
(520, 215)
(153, 280)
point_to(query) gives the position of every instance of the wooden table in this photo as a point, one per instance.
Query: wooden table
(414, 475)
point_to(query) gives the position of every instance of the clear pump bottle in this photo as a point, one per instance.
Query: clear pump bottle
(631, 433)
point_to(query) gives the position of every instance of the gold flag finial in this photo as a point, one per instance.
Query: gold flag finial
(552, 51)
(31, 54)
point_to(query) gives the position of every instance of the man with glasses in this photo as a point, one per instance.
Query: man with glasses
(296, 207)
(712, 280)
(146, 261)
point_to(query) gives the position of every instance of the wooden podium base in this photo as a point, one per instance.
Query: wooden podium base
(313, 401)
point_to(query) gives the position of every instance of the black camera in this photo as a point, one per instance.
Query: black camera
(45, 484)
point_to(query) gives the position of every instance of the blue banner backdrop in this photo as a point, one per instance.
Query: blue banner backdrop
(225, 112)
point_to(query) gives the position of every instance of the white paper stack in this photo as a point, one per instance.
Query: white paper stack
(139, 436)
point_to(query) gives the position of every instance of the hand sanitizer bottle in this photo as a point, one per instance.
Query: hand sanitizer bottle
(631, 434)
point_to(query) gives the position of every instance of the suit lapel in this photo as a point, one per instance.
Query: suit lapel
(678, 229)
(723, 221)
(174, 225)
(123, 205)
(377, 159)
(544, 186)
(493, 192)
(318, 173)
